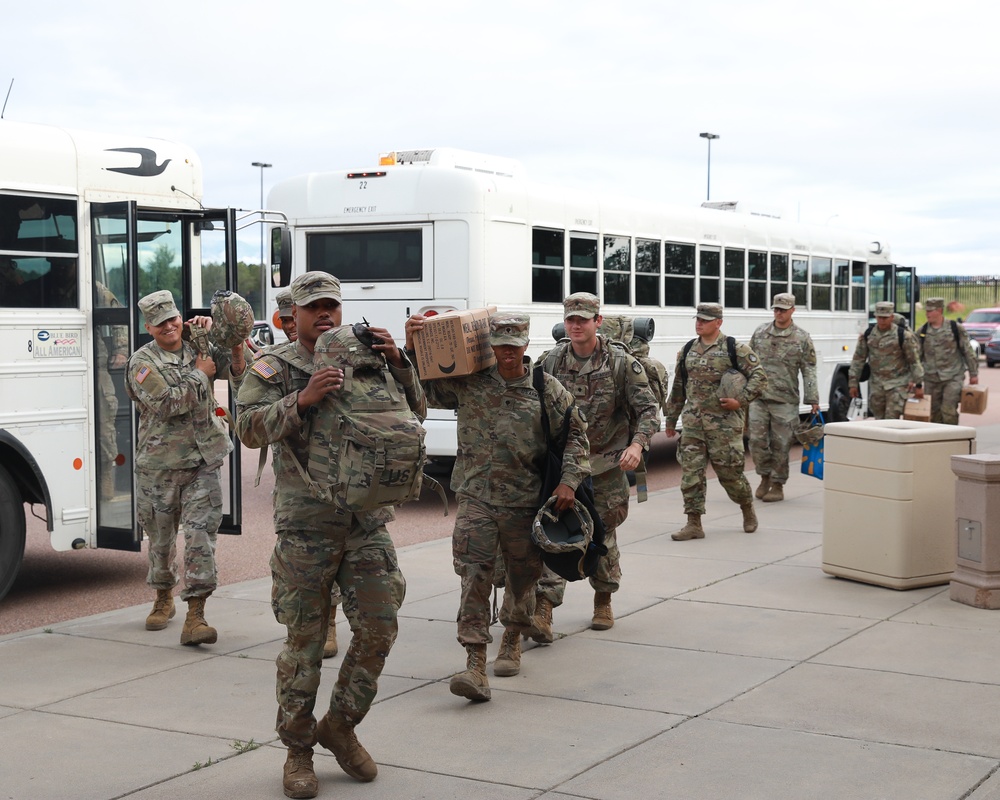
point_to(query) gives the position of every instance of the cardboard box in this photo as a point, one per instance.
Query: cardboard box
(974, 399)
(454, 343)
(917, 410)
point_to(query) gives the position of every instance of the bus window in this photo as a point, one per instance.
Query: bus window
(583, 263)
(647, 272)
(38, 252)
(857, 285)
(678, 267)
(388, 255)
(800, 280)
(779, 273)
(841, 283)
(617, 270)
(547, 265)
(736, 270)
(757, 286)
(822, 277)
(708, 269)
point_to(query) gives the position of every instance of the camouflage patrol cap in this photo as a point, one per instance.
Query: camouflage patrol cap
(581, 304)
(340, 347)
(934, 303)
(232, 319)
(509, 329)
(783, 300)
(884, 309)
(732, 384)
(313, 286)
(158, 307)
(709, 311)
(285, 303)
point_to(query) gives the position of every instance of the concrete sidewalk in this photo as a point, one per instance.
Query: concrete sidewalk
(736, 669)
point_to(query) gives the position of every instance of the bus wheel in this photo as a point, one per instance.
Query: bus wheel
(11, 532)
(840, 398)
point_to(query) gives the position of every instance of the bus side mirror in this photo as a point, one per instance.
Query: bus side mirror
(281, 256)
(643, 327)
(559, 331)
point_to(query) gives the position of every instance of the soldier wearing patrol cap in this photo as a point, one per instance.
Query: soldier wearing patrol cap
(319, 544)
(612, 390)
(893, 356)
(712, 421)
(286, 314)
(498, 480)
(785, 351)
(946, 353)
(182, 443)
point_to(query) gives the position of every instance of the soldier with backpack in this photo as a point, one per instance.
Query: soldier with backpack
(295, 398)
(946, 353)
(498, 479)
(714, 381)
(893, 356)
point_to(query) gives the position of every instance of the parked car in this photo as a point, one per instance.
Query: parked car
(993, 349)
(981, 324)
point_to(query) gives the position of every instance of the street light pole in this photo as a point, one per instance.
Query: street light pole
(708, 188)
(262, 166)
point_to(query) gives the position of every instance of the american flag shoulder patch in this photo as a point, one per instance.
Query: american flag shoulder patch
(142, 374)
(264, 369)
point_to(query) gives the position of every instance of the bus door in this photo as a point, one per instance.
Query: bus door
(136, 252)
(905, 294)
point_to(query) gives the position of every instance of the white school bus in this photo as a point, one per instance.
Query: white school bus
(427, 231)
(89, 223)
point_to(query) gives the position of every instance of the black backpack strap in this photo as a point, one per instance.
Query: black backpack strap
(957, 335)
(683, 365)
(731, 346)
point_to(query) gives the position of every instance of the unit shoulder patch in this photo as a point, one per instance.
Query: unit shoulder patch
(637, 368)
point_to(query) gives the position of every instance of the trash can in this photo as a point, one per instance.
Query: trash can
(889, 501)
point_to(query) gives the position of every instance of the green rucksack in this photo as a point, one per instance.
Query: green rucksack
(366, 446)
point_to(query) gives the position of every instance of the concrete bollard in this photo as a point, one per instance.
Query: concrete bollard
(976, 580)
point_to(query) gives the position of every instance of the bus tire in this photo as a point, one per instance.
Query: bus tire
(11, 532)
(840, 398)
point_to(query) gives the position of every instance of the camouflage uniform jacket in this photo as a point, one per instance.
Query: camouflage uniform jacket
(891, 367)
(784, 354)
(178, 426)
(501, 448)
(705, 367)
(940, 354)
(267, 414)
(606, 406)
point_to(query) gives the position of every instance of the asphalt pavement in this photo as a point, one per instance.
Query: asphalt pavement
(736, 669)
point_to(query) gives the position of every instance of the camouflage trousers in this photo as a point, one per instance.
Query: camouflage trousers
(192, 498)
(772, 434)
(481, 531)
(611, 496)
(886, 403)
(305, 566)
(945, 397)
(723, 449)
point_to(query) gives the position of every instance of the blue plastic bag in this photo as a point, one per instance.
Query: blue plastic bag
(812, 459)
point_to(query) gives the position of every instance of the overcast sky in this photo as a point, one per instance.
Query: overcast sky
(874, 115)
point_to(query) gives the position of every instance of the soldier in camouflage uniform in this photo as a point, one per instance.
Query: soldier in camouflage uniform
(117, 337)
(713, 422)
(498, 480)
(286, 314)
(612, 390)
(895, 368)
(182, 444)
(946, 353)
(785, 351)
(319, 544)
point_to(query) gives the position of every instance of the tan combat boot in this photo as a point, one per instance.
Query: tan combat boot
(196, 630)
(508, 661)
(775, 494)
(337, 736)
(330, 648)
(765, 484)
(541, 622)
(603, 618)
(749, 518)
(472, 684)
(299, 778)
(163, 610)
(692, 530)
